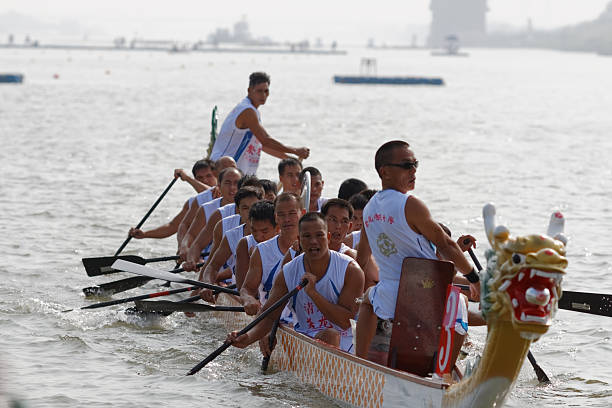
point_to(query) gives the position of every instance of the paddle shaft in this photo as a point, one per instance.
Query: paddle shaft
(266, 360)
(126, 300)
(147, 214)
(280, 302)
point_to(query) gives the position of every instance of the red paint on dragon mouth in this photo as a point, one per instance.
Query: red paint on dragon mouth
(533, 293)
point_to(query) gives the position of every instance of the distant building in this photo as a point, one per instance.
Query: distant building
(465, 19)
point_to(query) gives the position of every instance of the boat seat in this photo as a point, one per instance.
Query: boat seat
(418, 314)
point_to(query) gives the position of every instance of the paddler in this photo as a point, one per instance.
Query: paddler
(202, 198)
(324, 307)
(316, 190)
(396, 225)
(242, 135)
(228, 186)
(265, 261)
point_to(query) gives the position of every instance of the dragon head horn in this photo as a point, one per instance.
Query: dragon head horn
(495, 234)
(555, 227)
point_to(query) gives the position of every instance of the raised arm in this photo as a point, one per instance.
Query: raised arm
(250, 286)
(248, 119)
(419, 219)
(242, 262)
(197, 186)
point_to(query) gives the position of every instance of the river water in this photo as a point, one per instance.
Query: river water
(84, 156)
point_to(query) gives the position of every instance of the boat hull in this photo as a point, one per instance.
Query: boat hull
(375, 80)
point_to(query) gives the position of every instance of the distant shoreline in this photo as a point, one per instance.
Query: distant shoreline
(254, 50)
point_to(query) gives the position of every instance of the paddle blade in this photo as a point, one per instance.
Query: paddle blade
(103, 265)
(593, 303)
(110, 288)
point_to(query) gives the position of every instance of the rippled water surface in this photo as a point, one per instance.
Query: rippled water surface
(85, 155)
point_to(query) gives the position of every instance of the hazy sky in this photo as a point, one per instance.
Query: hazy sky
(345, 21)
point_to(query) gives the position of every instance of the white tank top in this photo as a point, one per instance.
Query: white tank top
(227, 210)
(204, 197)
(320, 203)
(356, 237)
(228, 224)
(211, 206)
(344, 248)
(271, 258)
(241, 144)
(251, 242)
(234, 236)
(391, 240)
(309, 318)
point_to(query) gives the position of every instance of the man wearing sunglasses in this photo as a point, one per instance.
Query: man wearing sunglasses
(397, 225)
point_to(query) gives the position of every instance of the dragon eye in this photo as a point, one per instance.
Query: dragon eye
(518, 258)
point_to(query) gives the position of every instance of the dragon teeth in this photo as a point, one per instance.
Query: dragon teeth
(552, 275)
(504, 285)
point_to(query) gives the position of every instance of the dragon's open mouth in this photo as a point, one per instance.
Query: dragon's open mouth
(533, 294)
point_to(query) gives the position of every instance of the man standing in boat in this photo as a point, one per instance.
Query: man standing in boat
(397, 225)
(242, 135)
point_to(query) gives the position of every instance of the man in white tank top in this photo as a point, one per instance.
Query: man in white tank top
(206, 235)
(228, 186)
(266, 258)
(242, 135)
(338, 214)
(316, 188)
(221, 251)
(324, 307)
(397, 225)
(196, 202)
(263, 227)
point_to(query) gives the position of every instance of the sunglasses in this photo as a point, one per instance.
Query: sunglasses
(407, 165)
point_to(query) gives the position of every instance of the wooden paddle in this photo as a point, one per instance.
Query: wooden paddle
(102, 265)
(168, 276)
(542, 377)
(280, 302)
(147, 215)
(266, 360)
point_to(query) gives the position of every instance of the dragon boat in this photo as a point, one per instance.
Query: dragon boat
(520, 291)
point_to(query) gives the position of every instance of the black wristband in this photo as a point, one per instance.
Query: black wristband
(472, 277)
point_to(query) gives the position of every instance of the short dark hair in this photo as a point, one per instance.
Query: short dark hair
(350, 187)
(246, 192)
(337, 202)
(249, 180)
(225, 171)
(359, 201)
(312, 170)
(202, 164)
(282, 197)
(257, 78)
(311, 216)
(262, 211)
(369, 193)
(383, 154)
(289, 161)
(269, 186)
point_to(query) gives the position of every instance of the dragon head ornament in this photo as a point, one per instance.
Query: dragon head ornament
(522, 282)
